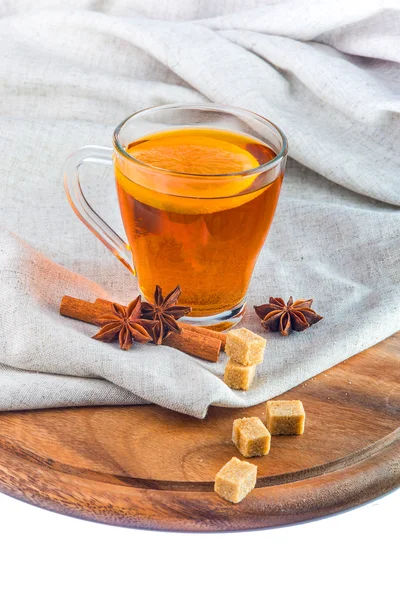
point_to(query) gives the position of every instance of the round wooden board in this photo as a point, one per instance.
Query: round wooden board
(148, 467)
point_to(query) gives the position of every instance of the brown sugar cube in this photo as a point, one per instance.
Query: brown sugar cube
(285, 417)
(251, 437)
(235, 480)
(237, 376)
(245, 347)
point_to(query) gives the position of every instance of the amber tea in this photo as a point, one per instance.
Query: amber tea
(204, 235)
(198, 186)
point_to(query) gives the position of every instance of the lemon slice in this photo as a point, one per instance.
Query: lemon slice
(194, 154)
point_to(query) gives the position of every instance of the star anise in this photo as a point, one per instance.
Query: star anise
(165, 312)
(297, 315)
(126, 324)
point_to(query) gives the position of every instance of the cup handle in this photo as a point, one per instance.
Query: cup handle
(82, 208)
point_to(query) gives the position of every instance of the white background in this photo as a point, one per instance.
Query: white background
(354, 555)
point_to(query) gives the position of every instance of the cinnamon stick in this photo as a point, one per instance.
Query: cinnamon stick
(189, 341)
(217, 335)
(195, 344)
(101, 303)
(80, 310)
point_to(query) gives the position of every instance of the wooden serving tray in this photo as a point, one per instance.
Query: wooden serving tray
(148, 467)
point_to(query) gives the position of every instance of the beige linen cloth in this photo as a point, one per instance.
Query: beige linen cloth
(327, 73)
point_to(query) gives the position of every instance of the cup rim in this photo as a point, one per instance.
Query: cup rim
(213, 107)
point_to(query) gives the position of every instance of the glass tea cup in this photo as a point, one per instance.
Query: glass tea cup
(197, 187)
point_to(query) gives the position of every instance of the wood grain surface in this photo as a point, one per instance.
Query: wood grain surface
(144, 466)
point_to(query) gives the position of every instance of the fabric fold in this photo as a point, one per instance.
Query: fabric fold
(327, 76)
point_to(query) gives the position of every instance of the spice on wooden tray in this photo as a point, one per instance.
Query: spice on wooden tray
(251, 437)
(235, 480)
(245, 347)
(201, 344)
(295, 315)
(285, 417)
(237, 376)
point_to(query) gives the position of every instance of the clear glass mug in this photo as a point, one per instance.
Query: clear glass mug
(200, 230)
